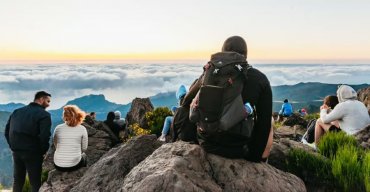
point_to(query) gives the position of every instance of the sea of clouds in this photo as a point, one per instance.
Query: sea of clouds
(122, 83)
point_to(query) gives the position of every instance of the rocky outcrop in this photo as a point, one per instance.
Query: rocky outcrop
(295, 119)
(294, 133)
(363, 137)
(185, 167)
(280, 150)
(108, 173)
(137, 112)
(364, 96)
(99, 143)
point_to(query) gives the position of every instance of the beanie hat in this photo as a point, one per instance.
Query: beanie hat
(181, 92)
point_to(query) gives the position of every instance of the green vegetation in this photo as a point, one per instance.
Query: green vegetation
(341, 164)
(366, 171)
(346, 168)
(277, 125)
(299, 161)
(156, 118)
(1, 187)
(330, 143)
(27, 185)
(311, 116)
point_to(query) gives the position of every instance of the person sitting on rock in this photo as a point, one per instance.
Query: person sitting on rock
(302, 112)
(113, 126)
(238, 138)
(93, 115)
(70, 140)
(120, 121)
(309, 137)
(180, 94)
(286, 110)
(351, 114)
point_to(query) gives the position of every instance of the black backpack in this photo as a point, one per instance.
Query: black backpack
(310, 133)
(219, 104)
(183, 128)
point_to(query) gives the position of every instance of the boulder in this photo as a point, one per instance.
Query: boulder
(295, 119)
(108, 173)
(364, 96)
(280, 151)
(294, 133)
(137, 112)
(181, 166)
(363, 137)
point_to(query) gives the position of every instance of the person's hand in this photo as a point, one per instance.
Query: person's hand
(324, 106)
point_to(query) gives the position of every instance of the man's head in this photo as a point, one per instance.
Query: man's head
(286, 101)
(42, 98)
(93, 115)
(235, 44)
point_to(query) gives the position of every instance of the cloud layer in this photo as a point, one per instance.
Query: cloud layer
(122, 83)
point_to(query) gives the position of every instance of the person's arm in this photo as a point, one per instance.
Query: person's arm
(7, 128)
(85, 140)
(44, 136)
(193, 90)
(336, 114)
(281, 110)
(55, 134)
(263, 124)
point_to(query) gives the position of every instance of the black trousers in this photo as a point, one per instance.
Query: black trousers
(30, 163)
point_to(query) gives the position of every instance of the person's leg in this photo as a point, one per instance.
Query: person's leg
(270, 140)
(320, 129)
(19, 172)
(34, 167)
(167, 125)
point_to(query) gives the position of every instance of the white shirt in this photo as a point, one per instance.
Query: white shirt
(352, 116)
(71, 142)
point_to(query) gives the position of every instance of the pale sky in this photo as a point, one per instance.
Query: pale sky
(276, 31)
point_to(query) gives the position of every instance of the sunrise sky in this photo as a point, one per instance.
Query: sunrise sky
(114, 31)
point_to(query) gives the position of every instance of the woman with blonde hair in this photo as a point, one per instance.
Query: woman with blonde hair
(70, 140)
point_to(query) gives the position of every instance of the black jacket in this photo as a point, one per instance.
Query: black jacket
(28, 129)
(256, 91)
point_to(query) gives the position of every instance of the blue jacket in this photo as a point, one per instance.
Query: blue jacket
(28, 129)
(286, 109)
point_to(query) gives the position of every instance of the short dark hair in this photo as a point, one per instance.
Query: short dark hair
(92, 113)
(285, 100)
(235, 44)
(41, 94)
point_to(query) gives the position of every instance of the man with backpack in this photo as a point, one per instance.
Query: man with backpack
(217, 105)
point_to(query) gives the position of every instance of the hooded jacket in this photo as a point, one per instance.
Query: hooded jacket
(351, 114)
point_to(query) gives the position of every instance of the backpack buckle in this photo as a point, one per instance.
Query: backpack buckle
(215, 71)
(239, 67)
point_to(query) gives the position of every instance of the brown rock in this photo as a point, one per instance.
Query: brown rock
(364, 96)
(182, 166)
(137, 112)
(108, 173)
(363, 137)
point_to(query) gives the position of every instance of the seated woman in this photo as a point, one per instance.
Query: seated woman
(70, 140)
(351, 115)
(113, 125)
(180, 94)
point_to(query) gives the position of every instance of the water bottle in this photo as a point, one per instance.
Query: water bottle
(249, 108)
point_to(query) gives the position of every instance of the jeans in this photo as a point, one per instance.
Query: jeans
(167, 125)
(32, 163)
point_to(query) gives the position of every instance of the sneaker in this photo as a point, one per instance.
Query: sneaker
(162, 138)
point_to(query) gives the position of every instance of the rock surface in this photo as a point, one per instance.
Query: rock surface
(294, 133)
(295, 119)
(364, 96)
(363, 137)
(108, 173)
(185, 167)
(137, 112)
